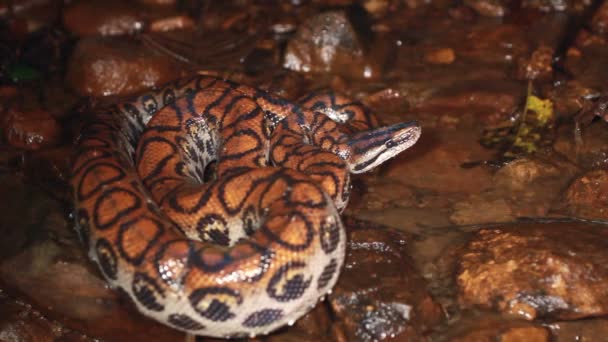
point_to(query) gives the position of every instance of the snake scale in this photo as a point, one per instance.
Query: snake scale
(215, 206)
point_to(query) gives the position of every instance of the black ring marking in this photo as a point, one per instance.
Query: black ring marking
(184, 322)
(328, 272)
(147, 292)
(106, 258)
(293, 287)
(214, 309)
(329, 234)
(263, 318)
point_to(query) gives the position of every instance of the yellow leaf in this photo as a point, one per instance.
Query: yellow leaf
(543, 108)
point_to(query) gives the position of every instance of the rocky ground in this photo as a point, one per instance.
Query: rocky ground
(486, 230)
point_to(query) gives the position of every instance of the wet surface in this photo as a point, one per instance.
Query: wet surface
(450, 241)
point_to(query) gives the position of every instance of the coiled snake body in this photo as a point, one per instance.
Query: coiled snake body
(215, 206)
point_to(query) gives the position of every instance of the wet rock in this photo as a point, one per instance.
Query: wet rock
(523, 172)
(587, 196)
(525, 187)
(479, 209)
(380, 294)
(31, 129)
(538, 66)
(489, 329)
(314, 326)
(324, 43)
(19, 322)
(108, 17)
(118, 66)
(583, 330)
(553, 270)
(488, 8)
(42, 248)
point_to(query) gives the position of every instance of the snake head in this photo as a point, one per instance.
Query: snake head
(371, 148)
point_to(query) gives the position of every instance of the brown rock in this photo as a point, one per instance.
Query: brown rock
(553, 270)
(587, 196)
(31, 129)
(380, 294)
(107, 17)
(323, 44)
(118, 66)
(523, 172)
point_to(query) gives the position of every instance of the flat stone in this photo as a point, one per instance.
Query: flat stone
(553, 270)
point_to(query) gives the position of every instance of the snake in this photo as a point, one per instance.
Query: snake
(215, 206)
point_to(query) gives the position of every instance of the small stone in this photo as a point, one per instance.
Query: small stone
(441, 56)
(587, 196)
(101, 66)
(521, 173)
(323, 44)
(533, 271)
(31, 129)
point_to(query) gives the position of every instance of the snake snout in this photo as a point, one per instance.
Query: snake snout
(371, 148)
